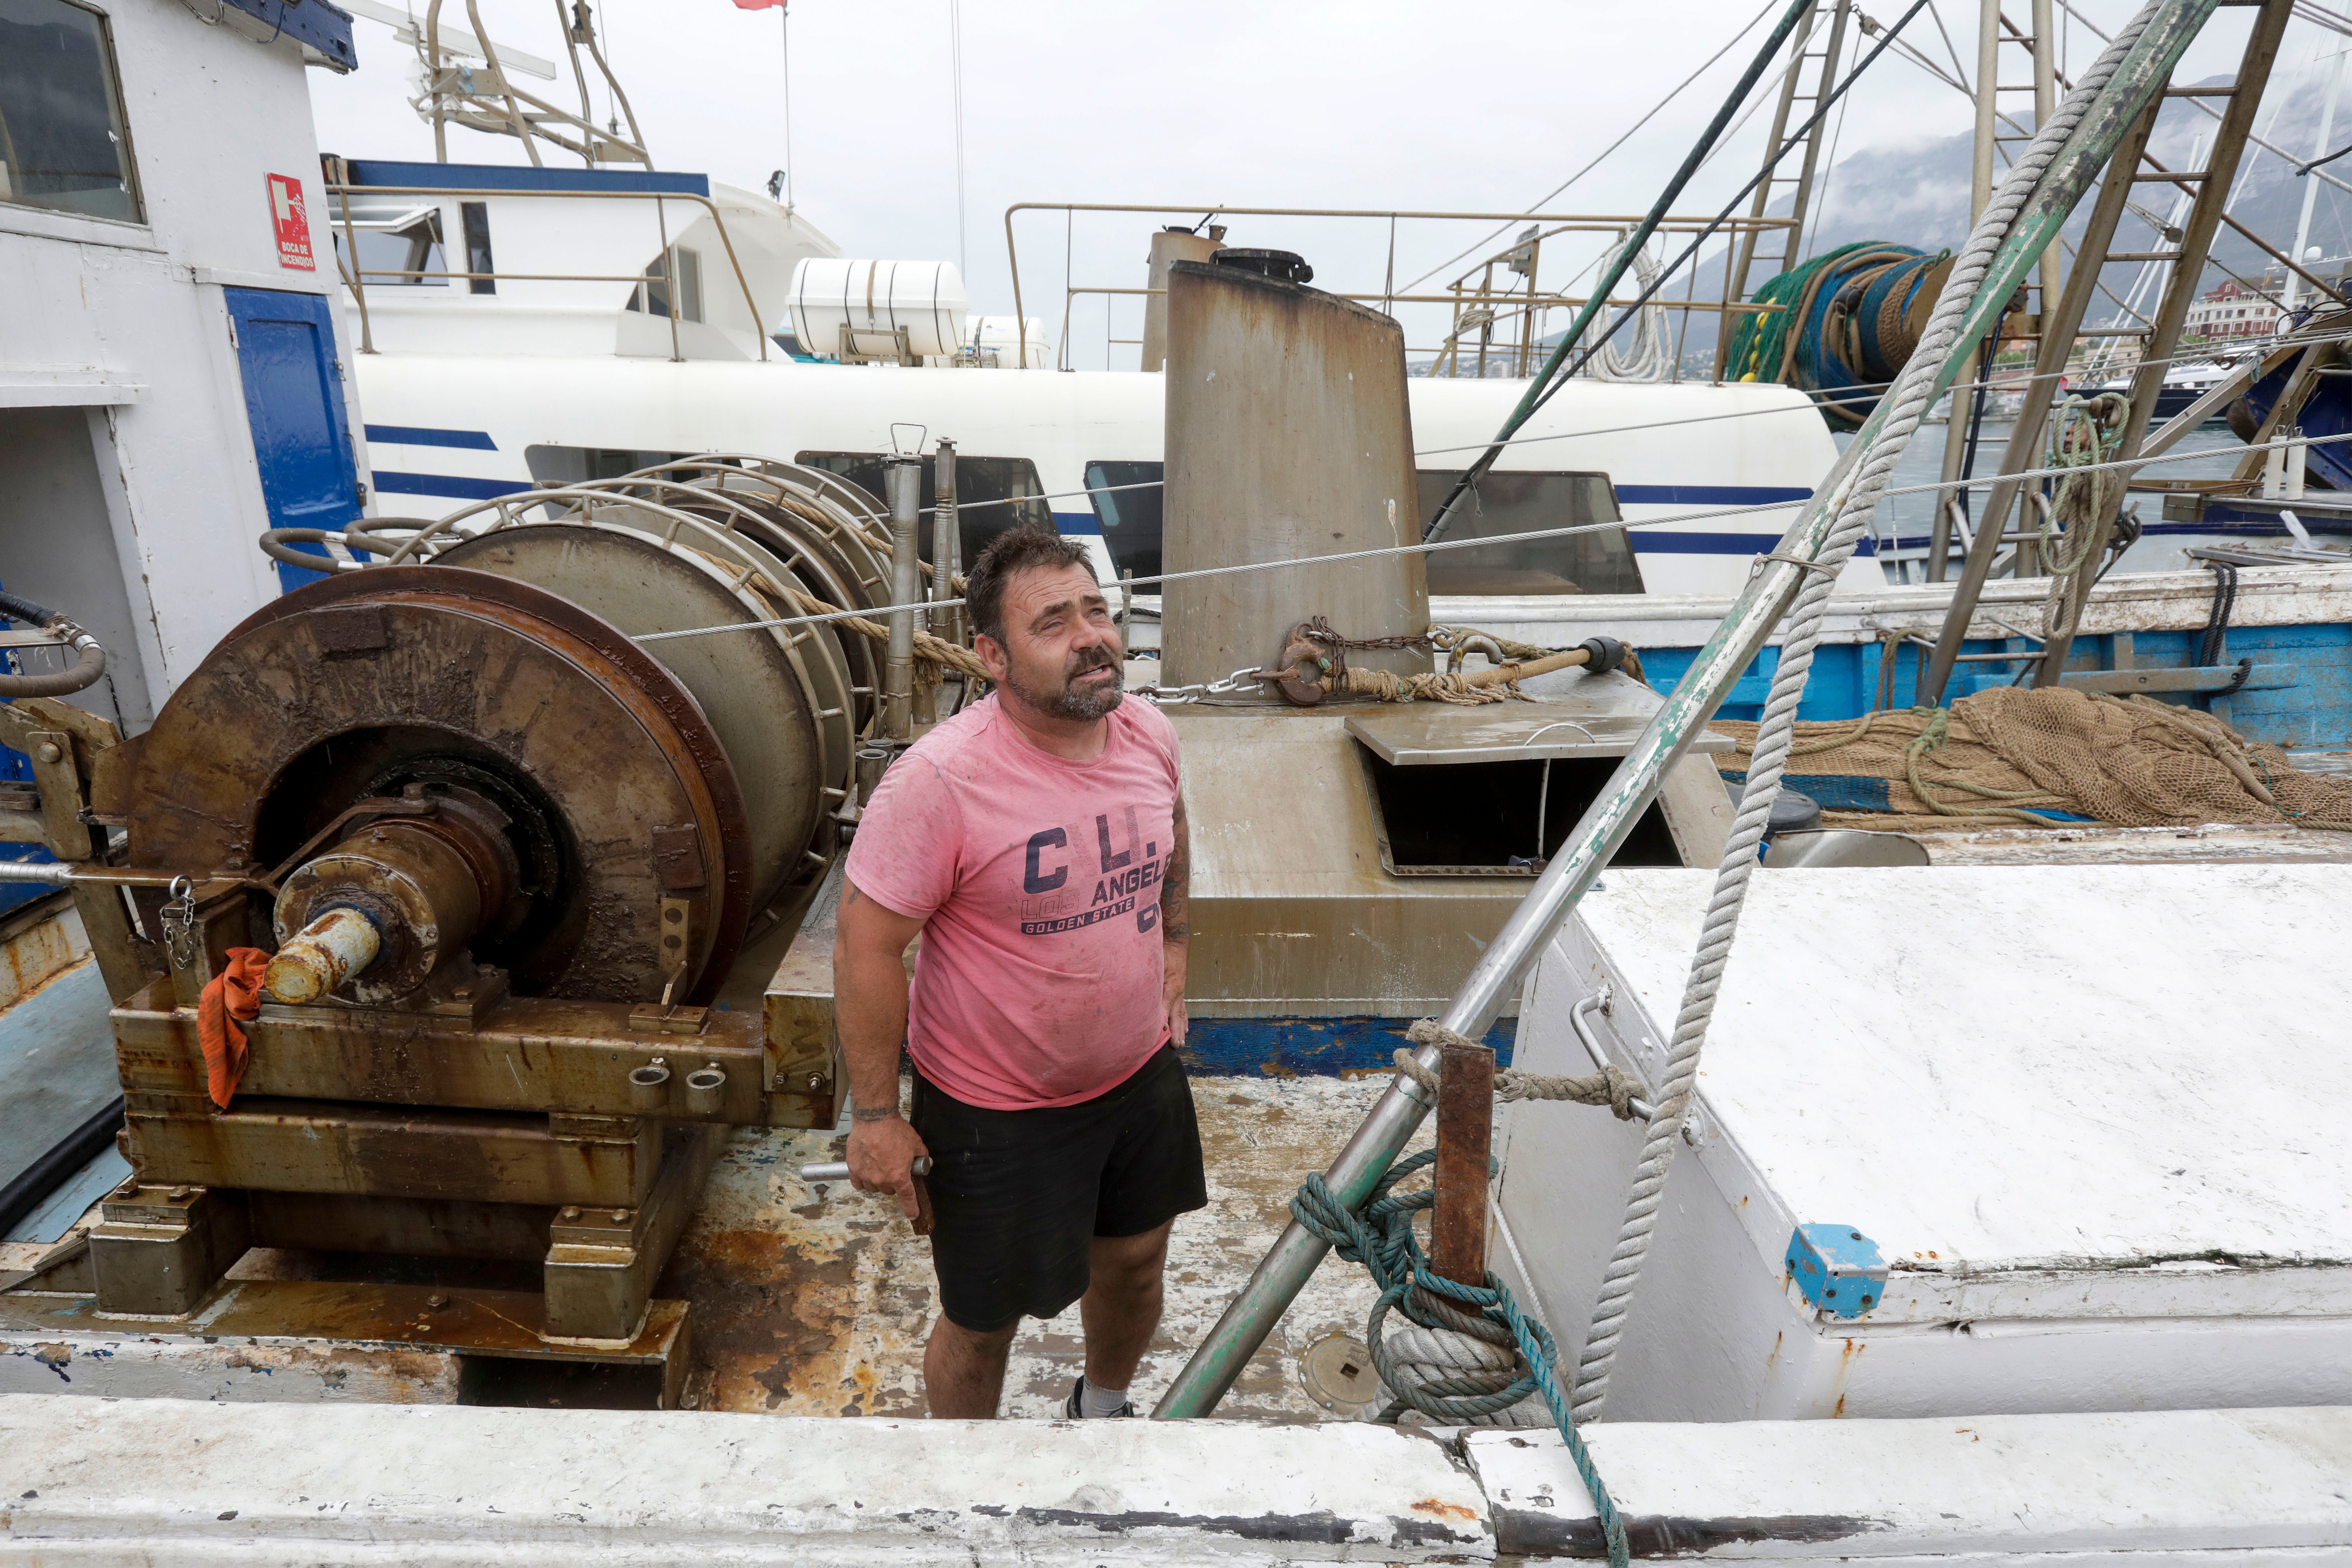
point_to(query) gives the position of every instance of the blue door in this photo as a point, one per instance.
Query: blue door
(294, 401)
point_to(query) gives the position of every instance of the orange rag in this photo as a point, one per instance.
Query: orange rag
(231, 997)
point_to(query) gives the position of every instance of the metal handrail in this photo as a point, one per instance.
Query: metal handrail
(1549, 301)
(354, 276)
(1570, 222)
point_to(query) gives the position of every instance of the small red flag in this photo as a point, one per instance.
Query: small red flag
(756, 5)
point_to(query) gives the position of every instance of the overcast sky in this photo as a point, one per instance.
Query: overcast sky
(1300, 103)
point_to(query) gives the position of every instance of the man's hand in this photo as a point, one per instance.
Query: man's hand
(1172, 989)
(880, 1155)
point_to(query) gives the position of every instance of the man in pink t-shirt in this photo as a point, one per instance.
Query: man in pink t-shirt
(1037, 842)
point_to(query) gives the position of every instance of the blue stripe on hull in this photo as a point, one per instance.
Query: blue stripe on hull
(2315, 713)
(1658, 541)
(1077, 524)
(1708, 495)
(400, 484)
(424, 436)
(1290, 1048)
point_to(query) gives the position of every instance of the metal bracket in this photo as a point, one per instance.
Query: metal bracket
(1837, 1268)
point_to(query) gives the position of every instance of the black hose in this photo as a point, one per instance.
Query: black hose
(2217, 620)
(86, 671)
(25, 610)
(41, 1179)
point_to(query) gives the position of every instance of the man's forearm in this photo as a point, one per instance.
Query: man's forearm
(869, 1006)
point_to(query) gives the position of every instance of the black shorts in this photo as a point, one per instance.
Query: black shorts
(1020, 1196)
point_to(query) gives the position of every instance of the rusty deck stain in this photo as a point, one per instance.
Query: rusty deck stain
(815, 1301)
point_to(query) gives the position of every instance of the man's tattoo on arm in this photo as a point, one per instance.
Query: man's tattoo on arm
(1175, 882)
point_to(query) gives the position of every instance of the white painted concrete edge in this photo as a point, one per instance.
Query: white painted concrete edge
(2245, 1482)
(88, 1480)
(139, 1481)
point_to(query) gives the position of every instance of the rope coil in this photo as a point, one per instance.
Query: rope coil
(1467, 1355)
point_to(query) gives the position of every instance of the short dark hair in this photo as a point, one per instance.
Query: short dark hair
(1016, 550)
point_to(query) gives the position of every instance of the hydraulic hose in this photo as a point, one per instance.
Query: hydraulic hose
(85, 672)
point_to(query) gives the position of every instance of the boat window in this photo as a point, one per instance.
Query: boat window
(653, 295)
(994, 481)
(477, 218)
(578, 465)
(1130, 517)
(1506, 503)
(1483, 819)
(63, 143)
(399, 239)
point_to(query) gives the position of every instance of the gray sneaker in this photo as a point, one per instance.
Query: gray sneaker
(1070, 1405)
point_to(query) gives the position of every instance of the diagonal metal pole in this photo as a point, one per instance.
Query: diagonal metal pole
(1728, 651)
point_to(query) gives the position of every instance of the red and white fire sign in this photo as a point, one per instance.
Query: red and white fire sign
(293, 223)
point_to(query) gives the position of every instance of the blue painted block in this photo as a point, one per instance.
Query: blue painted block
(1837, 1268)
(1293, 1048)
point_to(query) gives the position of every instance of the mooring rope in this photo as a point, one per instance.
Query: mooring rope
(1425, 1367)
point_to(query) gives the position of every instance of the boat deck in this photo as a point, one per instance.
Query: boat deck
(814, 1300)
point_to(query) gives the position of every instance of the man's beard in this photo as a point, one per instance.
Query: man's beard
(1072, 702)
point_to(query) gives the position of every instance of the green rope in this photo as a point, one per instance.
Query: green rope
(1381, 1239)
(2086, 430)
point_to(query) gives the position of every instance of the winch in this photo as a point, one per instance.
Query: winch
(498, 857)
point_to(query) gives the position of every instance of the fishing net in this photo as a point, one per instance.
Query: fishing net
(2043, 757)
(1847, 323)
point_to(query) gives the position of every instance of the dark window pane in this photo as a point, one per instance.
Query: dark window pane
(1504, 504)
(477, 218)
(981, 484)
(1130, 517)
(63, 144)
(395, 244)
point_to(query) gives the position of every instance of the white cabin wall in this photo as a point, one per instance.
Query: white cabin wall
(557, 243)
(129, 321)
(1773, 443)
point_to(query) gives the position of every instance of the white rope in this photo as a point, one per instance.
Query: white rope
(1852, 502)
(1643, 356)
(1421, 1356)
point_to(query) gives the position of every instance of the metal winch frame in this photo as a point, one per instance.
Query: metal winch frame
(501, 856)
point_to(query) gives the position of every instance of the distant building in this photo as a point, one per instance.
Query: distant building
(2232, 310)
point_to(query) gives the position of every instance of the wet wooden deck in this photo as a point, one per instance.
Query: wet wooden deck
(815, 1301)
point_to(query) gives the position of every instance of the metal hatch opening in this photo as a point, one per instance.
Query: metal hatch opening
(1487, 819)
(1497, 794)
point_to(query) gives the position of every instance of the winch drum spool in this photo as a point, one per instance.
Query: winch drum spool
(360, 687)
(783, 710)
(825, 551)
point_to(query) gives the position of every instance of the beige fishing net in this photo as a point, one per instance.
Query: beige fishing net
(2127, 762)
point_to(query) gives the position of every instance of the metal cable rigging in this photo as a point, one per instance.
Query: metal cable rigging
(1851, 501)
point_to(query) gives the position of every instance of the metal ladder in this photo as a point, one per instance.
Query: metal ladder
(2061, 328)
(1742, 260)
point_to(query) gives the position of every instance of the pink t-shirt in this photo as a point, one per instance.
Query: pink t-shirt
(1038, 979)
